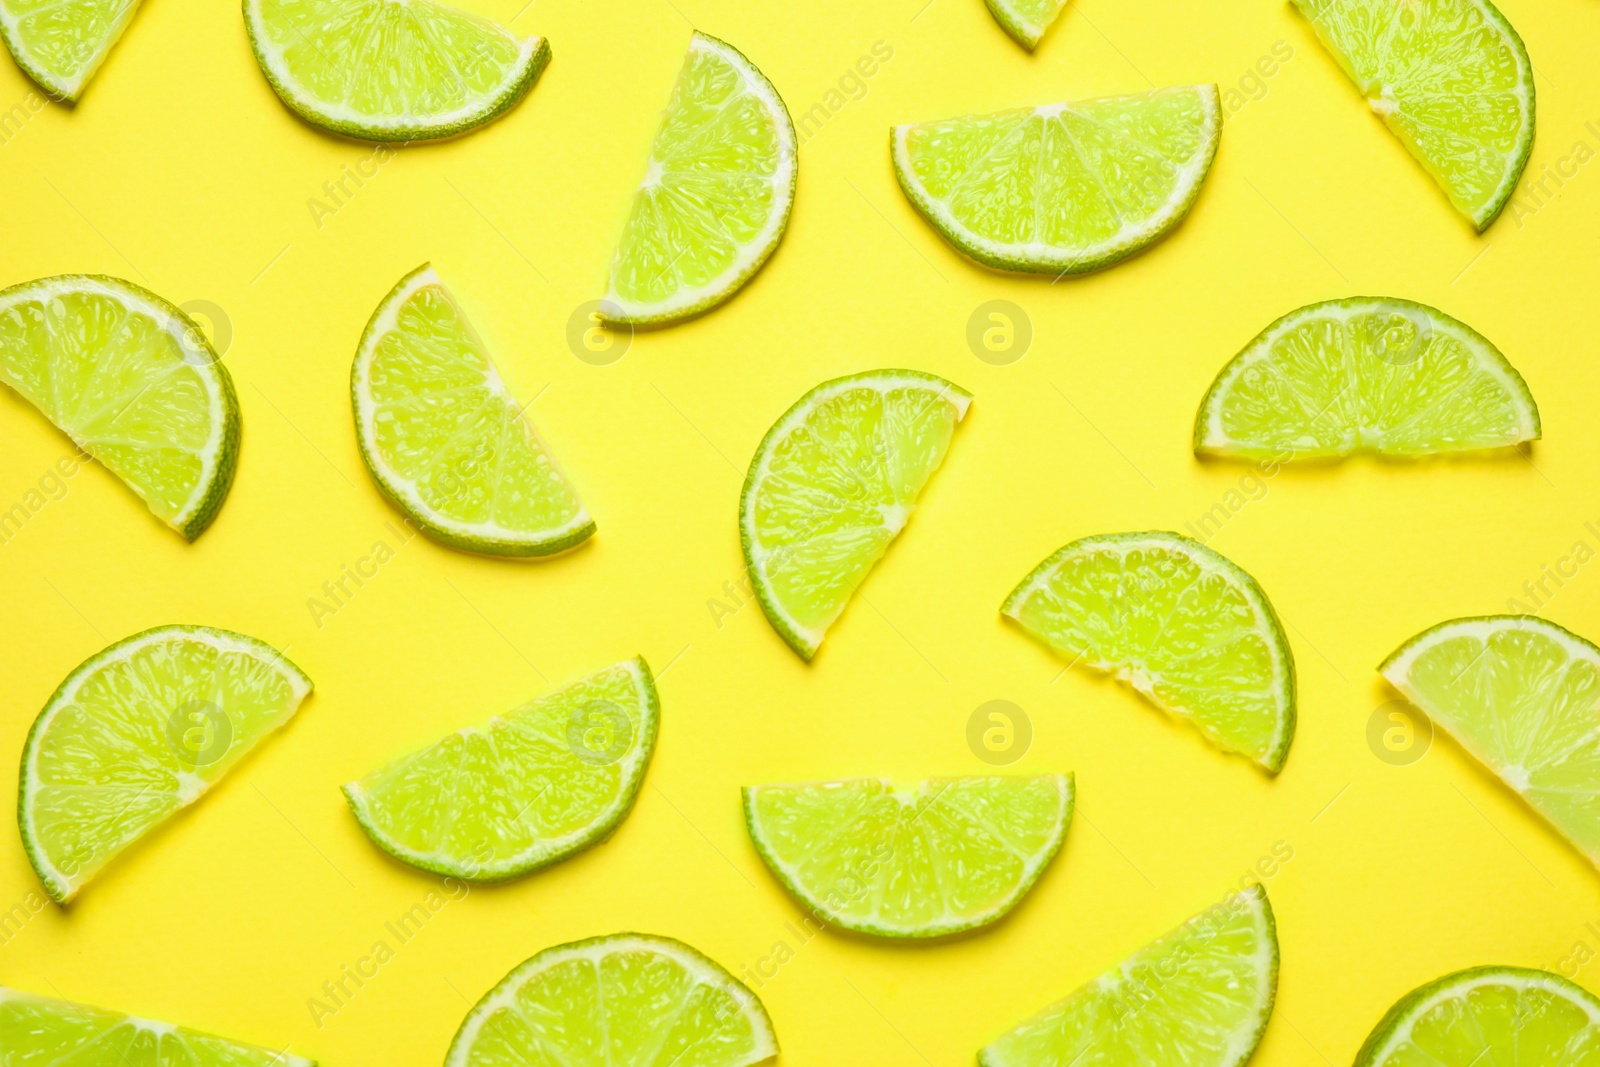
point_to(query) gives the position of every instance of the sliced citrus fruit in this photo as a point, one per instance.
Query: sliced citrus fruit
(927, 859)
(1180, 623)
(138, 731)
(1371, 374)
(387, 71)
(60, 44)
(834, 481)
(716, 194)
(1062, 188)
(444, 438)
(623, 999)
(1199, 996)
(1025, 20)
(528, 789)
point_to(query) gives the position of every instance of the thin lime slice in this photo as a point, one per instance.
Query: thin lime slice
(1180, 623)
(1489, 1015)
(138, 731)
(1199, 996)
(716, 194)
(1522, 696)
(387, 71)
(1371, 374)
(443, 437)
(527, 789)
(39, 1030)
(834, 481)
(60, 44)
(1450, 78)
(1062, 188)
(629, 999)
(133, 381)
(928, 859)
(1025, 20)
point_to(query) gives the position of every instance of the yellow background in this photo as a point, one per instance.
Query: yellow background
(180, 170)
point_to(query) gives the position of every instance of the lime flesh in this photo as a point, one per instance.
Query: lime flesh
(60, 44)
(1025, 20)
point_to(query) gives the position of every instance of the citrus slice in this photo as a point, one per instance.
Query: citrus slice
(443, 437)
(1199, 996)
(928, 859)
(1523, 697)
(625, 999)
(60, 44)
(387, 71)
(716, 194)
(138, 731)
(528, 789)
(1371, 374)
(1062, 188)
(1180, 623)
(39, 1030)
(1025, 20)
(834, 481)
(1489, 1015)
(1450, 78)
(135, 384)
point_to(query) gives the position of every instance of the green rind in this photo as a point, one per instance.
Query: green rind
(1013, 25)
(1522, 621)
(54, 89)
(843, 922)
(1274, 759)
(598, 831)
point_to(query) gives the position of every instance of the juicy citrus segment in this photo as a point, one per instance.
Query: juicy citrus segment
(444, 438)
(625, 999)
(138, 731)
(1523, 697)
(716, 194)
(1489, 1015)
(834, 481)
(60, 44)
(1063, 188)
(1180, 623)
(388, 71)
(528, 789)
(134, 383)
(1025, 20)
(1199, 996)
(1365, 374)
(1450, 78)
(933, 858)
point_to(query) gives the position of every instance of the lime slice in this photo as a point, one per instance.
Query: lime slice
(1450, 78)
(1522, 696)
(716, 194)
(528, 789)
(1025, 20)
(38, 1030)
(626, 999)
(443, 437)
(60, 44)
(134, 383)
(1180, 623)
(834, 481)
(139, 730)
(1200, 996)
(1371, 374)
(1062, 188)
(387, 71)
(932, 858)
(1489, 1016)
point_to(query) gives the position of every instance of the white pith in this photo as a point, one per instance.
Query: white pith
(1458, 990)
(70, 88)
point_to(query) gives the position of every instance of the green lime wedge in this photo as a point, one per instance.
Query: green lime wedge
(60, 44)
(135, 384)
(387, 71)
(834, 481)
(1366, 374)
(1199, 996)
(1025, 20)
(138, 731)
(625, 999)
(923, 860)
(39, 1030)
(716, 194)
(1522, 696)
(1062, 188)
(1450, 78)
(527, 789)
(1180, 623)
(446, 441)
(1487, 1017)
